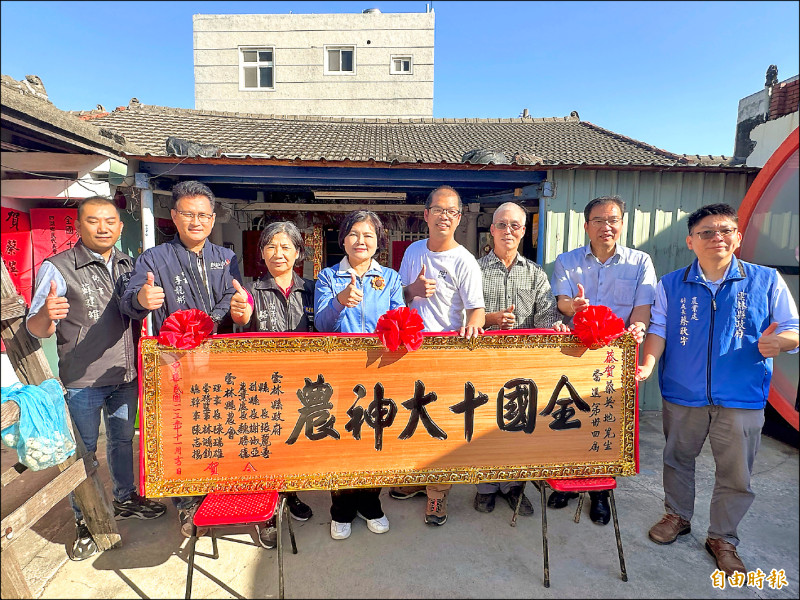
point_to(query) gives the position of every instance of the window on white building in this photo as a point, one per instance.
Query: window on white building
(402, 65)
(256, 68)
(340, 60)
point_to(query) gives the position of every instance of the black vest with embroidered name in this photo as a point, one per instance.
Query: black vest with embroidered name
(96, 342)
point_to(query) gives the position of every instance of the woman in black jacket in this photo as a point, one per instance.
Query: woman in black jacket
(281, 301)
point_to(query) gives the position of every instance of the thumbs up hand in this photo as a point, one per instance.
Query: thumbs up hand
(507, 318)
(769, 344)
(240, 307)
(150, 295)
(580, 302)
(350, 296)
(56, 306)
(422, 286)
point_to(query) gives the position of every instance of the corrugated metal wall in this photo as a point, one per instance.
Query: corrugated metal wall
(657, 206)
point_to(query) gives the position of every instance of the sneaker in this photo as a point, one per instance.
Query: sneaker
(406, 492)
(512, 497)
(436, 511)
(340, 531)
(380, 525)
(136, 507)
(268, 534)
(186, 518)
(84, 546)
(299, 510)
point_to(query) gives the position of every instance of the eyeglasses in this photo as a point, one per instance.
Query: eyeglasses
(502, 226)
(600, 222)
(710, 234)
(189, 216)
(450, 212)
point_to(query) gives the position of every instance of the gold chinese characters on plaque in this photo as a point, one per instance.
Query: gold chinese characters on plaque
(317, 411)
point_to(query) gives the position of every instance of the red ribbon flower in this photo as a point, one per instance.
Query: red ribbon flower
(185, 329)
(597, 326)
(400, 326)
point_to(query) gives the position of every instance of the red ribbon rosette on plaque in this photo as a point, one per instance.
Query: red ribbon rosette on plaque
(400, 326)
(185, 329)
(597, 326)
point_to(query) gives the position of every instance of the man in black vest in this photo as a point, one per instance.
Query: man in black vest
(77, 298)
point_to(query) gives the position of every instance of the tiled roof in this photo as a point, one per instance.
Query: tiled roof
(557, 141)
(18, 98)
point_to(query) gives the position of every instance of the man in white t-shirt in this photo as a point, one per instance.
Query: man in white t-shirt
(442, 281)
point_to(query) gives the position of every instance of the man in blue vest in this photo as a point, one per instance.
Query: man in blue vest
(716, 326)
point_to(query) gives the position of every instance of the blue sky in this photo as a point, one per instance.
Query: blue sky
(669, 74)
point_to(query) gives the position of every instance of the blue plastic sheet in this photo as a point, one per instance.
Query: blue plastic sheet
(42, 437)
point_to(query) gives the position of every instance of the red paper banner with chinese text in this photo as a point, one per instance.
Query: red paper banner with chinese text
(52, 231)
(16, 249)
(314, 411)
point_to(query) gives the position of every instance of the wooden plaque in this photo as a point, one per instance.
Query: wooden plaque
(318, 411)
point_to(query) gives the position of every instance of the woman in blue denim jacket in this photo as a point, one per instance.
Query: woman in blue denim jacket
(350, 298)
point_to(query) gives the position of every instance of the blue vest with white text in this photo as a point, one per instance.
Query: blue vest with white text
(711, 354)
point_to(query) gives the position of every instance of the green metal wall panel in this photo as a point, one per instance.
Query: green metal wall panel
(658, 204)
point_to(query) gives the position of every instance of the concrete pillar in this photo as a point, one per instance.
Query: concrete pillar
(148, 231)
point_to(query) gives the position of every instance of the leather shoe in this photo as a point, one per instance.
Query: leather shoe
(725, 554)
(599, 511)
(484, 502)
(525, 506)
(560, 499)
(669, 528)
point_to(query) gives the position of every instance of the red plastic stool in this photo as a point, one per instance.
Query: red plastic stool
(218, 510)
(580, 486)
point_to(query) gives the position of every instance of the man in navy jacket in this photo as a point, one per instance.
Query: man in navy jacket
(186, 272)
(716, 326)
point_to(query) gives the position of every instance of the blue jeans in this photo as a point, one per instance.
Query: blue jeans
(118, 405)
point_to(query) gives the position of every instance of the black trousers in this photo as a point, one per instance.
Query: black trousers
(345, 504)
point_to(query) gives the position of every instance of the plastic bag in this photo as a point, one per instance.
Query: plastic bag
(41, 437)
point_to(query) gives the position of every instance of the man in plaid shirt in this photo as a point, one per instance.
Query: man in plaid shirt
(517, 295)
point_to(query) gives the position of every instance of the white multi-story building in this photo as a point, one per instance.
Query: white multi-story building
(350, 65)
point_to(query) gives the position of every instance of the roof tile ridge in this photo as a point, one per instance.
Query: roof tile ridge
(634, 142)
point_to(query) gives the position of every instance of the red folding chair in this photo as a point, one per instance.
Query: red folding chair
(220, 510)
(580, 486)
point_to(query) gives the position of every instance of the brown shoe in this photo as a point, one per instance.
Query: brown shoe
(725, 554)
(436, 509)
(669, 528)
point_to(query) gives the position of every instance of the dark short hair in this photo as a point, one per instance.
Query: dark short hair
(188, 189)
(95, 200)
(443, 188)
(287, 227)
(603, 200)
(723, 210)
(357, 216)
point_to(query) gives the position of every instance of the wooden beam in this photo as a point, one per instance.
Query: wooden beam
(37, 506)
(9, 414)
(11, 474)
(12, 581)
(295, 206)
(54, 162)
(13, 307)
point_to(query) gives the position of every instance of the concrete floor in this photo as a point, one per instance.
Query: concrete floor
(473, 555)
